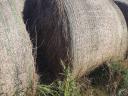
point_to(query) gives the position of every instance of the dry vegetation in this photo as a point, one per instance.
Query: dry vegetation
(106, 80)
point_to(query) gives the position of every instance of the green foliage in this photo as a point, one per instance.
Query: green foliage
(123, 84)
(67, 87)
(70, 87)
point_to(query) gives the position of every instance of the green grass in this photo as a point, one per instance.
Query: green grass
(117, 84)
(122, 79)
(67, 87)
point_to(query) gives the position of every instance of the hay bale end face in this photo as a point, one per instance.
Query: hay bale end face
(16, 61)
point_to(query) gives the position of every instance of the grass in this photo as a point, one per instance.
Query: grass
(67, 87)
(116, 85)
(121, 76)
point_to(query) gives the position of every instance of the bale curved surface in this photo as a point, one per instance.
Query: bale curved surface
(99, 34)
(16, 61)
(83, 33)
